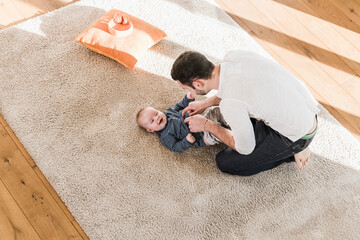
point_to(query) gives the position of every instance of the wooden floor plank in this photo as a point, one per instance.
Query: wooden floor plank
(13, 223)
(2, 121)
(9, 15)
(30, 8)
(42, 177)
(348, 57)
(37, 170)
(278, 58)
(20, 146)
(33, 198)
(325, 9)
(285, 22)
(262, 43)
(350, 7)
(353, 87)
(340, 21)
(322, 29)
(311, 73)
(52, 191)
(55, 4)
(60, 202)
(80, 230)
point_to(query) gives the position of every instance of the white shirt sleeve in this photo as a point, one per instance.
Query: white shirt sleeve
(237, 55)
(237, 117)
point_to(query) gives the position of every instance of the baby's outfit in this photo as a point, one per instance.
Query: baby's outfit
(173, 135)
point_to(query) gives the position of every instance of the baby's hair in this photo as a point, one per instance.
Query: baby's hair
(138, 116)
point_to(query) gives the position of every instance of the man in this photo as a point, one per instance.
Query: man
(271, 114)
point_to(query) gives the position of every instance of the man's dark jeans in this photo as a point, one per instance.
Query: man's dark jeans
(271, 150)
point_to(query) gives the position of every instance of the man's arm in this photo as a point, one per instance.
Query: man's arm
(225, 135)
(237, 117)
(198, 107)
(212, 101)
(199, 123)
(241, 137)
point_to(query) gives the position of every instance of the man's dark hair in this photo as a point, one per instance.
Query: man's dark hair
(190, 66)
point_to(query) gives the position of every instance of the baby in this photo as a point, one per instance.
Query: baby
(174, 133)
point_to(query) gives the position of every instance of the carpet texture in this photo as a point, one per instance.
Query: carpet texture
(74, 111)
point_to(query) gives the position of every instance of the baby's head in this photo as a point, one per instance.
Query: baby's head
(151, 119)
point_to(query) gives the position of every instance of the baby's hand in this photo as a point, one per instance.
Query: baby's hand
(190, 138)
(190, 95)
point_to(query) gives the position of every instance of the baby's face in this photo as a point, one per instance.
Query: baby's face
(152, 119)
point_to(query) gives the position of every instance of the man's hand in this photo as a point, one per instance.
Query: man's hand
(190, 95)
(196, 107)
(190, 138)
(196, 123)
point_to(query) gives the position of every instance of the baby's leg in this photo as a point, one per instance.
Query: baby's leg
(210, 139)
(206, 143)
(215, 115)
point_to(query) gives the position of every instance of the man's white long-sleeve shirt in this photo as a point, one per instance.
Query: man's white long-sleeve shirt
(253, 86)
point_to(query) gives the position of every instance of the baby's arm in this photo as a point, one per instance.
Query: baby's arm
(184, 102)
(177, 145)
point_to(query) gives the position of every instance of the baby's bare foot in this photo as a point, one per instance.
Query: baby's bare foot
(302, 158)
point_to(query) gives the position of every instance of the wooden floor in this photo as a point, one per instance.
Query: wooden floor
(317, 40)
(29, 206)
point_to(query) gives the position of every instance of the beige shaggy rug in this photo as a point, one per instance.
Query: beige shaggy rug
(74, 111)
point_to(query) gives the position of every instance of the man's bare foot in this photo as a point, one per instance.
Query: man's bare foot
(302, 158)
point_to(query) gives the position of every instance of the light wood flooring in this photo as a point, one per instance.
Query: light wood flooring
(317, 40)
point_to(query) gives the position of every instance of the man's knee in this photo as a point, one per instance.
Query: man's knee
(226, 164)
(234, 166)
(222, 163)
(225, 167)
